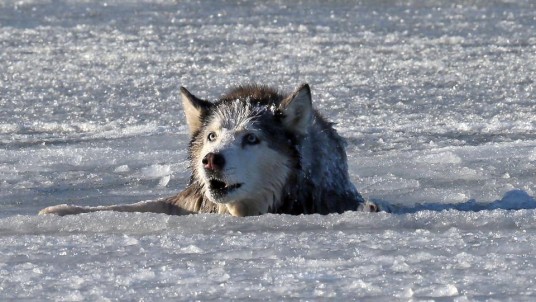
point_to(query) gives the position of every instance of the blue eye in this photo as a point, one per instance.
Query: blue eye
(251, 139)
(211, 136)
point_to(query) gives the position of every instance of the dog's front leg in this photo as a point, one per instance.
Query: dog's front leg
(153, 206)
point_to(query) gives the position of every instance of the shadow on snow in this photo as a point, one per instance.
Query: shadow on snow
(512, 200)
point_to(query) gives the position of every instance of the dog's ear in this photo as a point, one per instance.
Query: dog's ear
(297, 110)
(194, 109)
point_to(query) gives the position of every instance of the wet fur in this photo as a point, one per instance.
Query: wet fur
(307, 174)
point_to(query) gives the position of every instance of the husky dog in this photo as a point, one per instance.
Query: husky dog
(256, 151)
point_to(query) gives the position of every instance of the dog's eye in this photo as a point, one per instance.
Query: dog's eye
(211, 136)
(251, 139)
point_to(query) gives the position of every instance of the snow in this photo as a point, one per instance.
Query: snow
(436, 99)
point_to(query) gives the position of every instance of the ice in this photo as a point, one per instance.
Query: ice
(348, 255)
(155, 171)
(435, 98)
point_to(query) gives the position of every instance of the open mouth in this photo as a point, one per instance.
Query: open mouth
(220, 188)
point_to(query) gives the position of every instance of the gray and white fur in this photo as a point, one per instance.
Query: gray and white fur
(256, 151)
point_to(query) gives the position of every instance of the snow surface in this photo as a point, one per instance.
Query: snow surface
(437, 101)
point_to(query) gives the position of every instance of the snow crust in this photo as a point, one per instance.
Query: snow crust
(436, 99)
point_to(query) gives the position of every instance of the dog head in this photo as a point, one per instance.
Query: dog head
(244, 147)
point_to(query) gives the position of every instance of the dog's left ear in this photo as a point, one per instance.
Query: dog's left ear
(297, 110)
(194, 109)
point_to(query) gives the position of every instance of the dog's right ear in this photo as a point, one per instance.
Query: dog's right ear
(194, 109)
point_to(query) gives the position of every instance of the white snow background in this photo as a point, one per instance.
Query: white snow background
(436, 98)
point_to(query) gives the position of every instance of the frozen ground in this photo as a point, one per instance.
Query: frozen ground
(437, 101)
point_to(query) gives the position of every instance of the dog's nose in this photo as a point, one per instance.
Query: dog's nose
(213, 161)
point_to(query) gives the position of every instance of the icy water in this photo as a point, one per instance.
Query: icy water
(436, 99)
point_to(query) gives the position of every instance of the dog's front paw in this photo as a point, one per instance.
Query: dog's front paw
(369, 206)
(62, 210)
